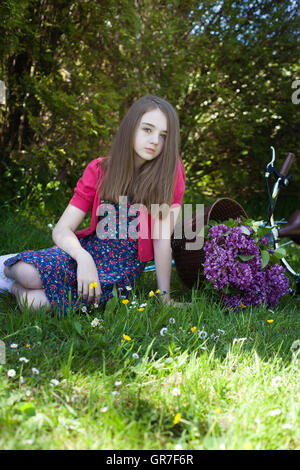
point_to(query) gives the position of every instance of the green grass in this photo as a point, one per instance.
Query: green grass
(236, 387)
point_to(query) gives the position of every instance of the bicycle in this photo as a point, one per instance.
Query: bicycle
(290, 232)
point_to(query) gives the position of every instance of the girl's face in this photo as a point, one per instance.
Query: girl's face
(150, 136)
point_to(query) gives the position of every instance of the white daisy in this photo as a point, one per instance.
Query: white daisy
(176, 392)
(35, 371)
(178, 447)
(276, 381)
(163, 331)
(275, 412)
(135, 356)
(23, 359)
(14, 346)
(53, 382)
(286, 426)
(11, 373)
(171, 320)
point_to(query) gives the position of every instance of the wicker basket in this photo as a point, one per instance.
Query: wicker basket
(189, 263)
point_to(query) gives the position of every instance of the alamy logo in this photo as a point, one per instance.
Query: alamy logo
(296, 94)
(137, 225)
(2, 353)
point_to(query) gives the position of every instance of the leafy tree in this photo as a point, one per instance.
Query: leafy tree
(72, 69)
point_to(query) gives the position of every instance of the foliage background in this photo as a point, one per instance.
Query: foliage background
(72, 69)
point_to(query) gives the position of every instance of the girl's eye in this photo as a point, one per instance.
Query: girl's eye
(148, 131)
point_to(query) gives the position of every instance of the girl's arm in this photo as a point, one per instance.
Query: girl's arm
(163, 263)
(162, 232)
(64, 237)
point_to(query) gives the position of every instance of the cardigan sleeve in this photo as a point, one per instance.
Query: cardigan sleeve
(85, 190)
(179, 186)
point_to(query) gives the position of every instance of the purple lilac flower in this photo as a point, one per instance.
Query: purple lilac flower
(264, 241)
(217, 231)
(224, 267)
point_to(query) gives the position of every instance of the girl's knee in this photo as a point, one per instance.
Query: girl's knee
(26, 275)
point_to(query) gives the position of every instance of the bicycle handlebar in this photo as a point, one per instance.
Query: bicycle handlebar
(287, 164)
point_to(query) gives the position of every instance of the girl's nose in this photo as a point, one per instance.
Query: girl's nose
(154, 138)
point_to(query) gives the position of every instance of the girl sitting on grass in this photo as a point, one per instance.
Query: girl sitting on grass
(143, 168)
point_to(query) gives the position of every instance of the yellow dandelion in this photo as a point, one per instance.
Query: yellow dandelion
(247, 446)
(126, 337)
(241, 305)
(157, 291)
(28, 345)
(125, 301)
(151, 293)
(93, 284)
(193, 329)
(177, 418)
(217, 410)
(141, 309)
(270, 320)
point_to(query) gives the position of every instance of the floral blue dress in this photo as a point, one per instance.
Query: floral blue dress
(115, 256)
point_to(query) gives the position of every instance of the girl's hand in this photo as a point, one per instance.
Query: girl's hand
(87, 278)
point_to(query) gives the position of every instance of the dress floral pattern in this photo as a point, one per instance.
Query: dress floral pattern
(115, 255)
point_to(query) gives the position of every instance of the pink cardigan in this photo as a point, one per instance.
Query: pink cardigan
(86, 198)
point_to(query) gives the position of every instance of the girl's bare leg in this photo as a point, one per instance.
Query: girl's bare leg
(27, 288)
(25, 274)
(31, 298)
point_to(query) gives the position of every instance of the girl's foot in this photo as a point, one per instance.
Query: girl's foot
(5, 282)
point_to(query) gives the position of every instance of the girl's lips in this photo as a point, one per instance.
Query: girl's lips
(149, 150)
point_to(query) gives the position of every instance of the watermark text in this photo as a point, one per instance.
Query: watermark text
(135, 222)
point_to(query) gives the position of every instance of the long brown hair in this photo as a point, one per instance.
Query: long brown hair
(153, 182)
